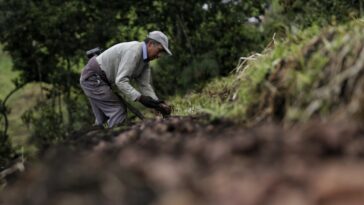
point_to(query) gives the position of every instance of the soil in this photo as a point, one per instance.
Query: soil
(189, 160)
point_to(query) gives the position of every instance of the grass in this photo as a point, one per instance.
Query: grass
(230, 97)
(210, 100)
(233, 96)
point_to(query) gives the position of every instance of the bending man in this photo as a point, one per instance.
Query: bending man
(118, 65)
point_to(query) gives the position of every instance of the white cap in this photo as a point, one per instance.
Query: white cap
(160, 38)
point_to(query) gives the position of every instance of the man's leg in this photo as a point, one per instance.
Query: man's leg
(113, 108)
(105, 104)
(101, 118)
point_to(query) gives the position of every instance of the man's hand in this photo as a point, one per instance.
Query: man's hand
(149, 102)
(164, 109)
(158, 105)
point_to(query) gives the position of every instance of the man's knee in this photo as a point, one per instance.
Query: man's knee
(118, 117)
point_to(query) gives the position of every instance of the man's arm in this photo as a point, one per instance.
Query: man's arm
(149, 97)
(126, 67)
(144, 82)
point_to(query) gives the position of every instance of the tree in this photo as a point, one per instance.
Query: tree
(304, 13)
(207, 38)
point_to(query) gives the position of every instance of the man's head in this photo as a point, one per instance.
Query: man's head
(157, 44)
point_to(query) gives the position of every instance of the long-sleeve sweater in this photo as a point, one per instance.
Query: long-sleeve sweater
(124, 62)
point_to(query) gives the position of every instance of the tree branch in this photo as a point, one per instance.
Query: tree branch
(3, 111)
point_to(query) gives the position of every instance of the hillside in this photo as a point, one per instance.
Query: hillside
(317, 73)
(285, 128)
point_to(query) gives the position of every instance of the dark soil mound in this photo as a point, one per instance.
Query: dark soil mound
(189, 161)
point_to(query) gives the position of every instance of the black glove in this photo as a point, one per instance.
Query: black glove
(148, 101)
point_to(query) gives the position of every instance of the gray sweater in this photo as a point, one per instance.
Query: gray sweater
(124, 62)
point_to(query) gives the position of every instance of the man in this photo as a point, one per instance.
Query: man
(119, 65)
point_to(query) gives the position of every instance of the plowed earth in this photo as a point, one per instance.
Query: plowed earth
(185, 161)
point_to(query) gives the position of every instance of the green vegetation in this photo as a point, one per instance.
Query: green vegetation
(311, 74)
(6, 74)
(21, 101)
